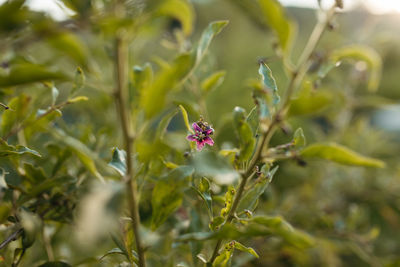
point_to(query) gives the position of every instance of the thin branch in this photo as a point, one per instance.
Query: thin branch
(123, 111)
(280, 114)
(14, 236)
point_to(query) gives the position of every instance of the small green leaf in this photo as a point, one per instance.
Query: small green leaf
(78, 99)
(269, 82)
(54, 95)
(180, 10)
(245, 134)
(278, 226)
(216, 223)
(203, 190)
(79, 81)
(6, 150)
(252, 120)
(213, 81)
(19, 109)
(154, 96)
(186, 119)
(299, 140)
(246, 249)
(366, 54)
(29, 73)
(167, 195)
(118, 161)
(339, 154)
(283, 27)
(223, 258)
(250, 198)
(229, 196)
(208, 34)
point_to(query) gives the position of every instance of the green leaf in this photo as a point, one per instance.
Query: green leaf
(280, 227)
(252, 120)
(299, 140)
(203, 190)
(213, 81)
(208, 34)
(6, 150)
(11, 118)
(180, 10)
(223, 258)
(55, 264)
(54, 95)
(366, 54)
(250, 198)
(167, 194)
(246, 249)
(186, 119)
(216, 223)
(118, 161)
(85, 155)
(310, 102)
(215, 167)
(153, 98)
(29, 73)
(142, 77)
(229, 196)
(78, 99)
(69, 44)
(245, 134)
(278, 21)
(269, 82)
(339, 154)
(79, 81)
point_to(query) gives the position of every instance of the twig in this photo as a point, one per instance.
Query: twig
(297, 77)
(124, 114)
(25, 124)
(14, 236)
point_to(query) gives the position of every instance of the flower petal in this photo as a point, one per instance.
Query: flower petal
(191, 137)
(208, 141)
(196, 127)
(200, 145)
(209, 131)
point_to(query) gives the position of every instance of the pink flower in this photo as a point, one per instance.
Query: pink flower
(201, 134)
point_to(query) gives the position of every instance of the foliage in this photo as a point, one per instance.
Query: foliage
(96, 168)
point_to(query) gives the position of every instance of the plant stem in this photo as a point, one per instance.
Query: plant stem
(120, 95)
(295, 80)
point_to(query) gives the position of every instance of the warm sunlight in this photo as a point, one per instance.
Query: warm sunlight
(375, 6)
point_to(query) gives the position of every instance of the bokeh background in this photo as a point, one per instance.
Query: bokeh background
(353, 211)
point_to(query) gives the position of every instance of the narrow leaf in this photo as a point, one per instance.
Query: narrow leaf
(269, 82)
(213, 81)
(246, 249)
(339, 154)
(209, 33)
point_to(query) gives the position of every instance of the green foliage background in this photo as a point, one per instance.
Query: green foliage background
(61, 156)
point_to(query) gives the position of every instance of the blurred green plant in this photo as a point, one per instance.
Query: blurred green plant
(155, 199)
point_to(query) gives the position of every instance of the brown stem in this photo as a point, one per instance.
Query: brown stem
(120, 95)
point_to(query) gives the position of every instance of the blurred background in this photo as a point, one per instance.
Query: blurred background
(353, 211)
